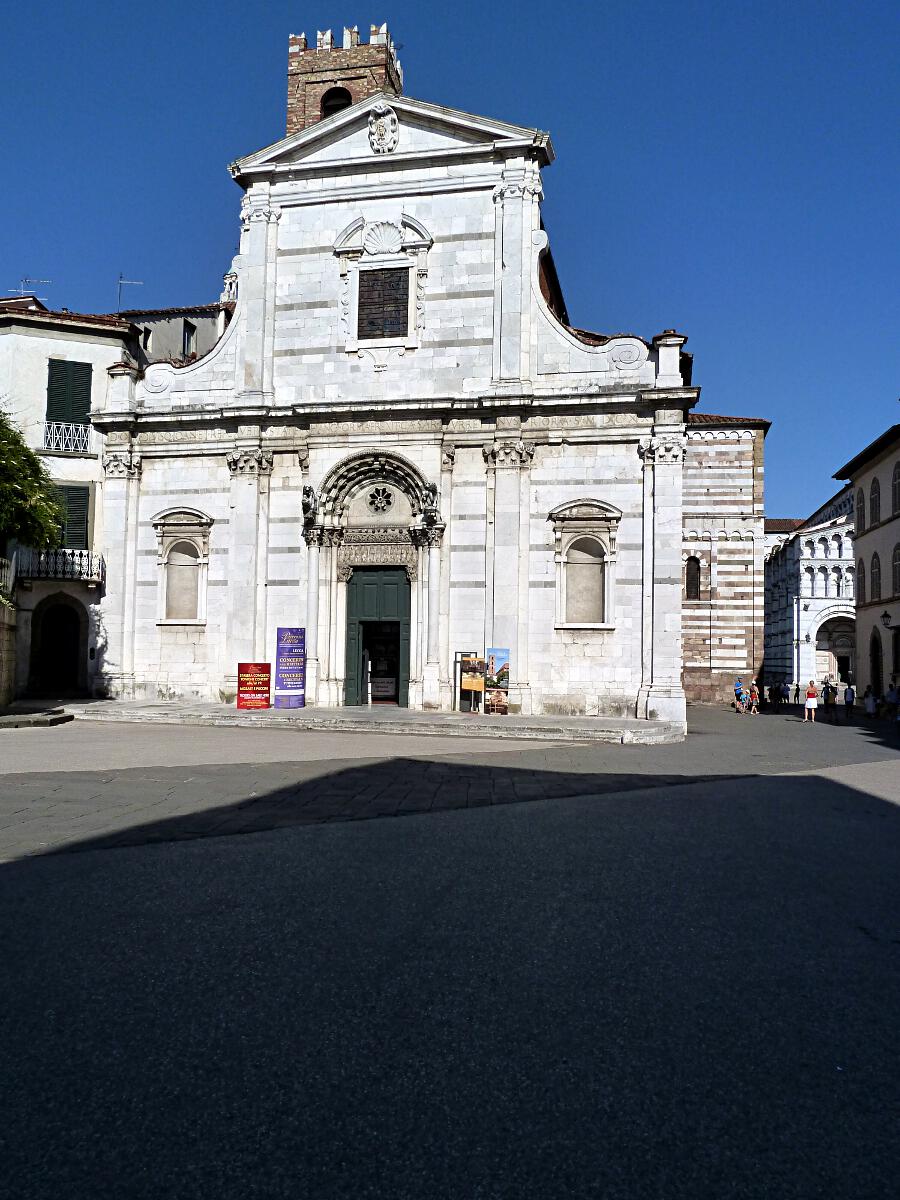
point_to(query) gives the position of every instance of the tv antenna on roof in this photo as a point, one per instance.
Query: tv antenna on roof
(123, 282)
(25, 285)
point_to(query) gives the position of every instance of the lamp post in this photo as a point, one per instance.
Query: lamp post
(886, 619)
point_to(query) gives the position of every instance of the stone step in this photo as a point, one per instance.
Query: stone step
(621, 731)
(28, 719)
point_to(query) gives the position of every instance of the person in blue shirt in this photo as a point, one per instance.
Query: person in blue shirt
(738, 697)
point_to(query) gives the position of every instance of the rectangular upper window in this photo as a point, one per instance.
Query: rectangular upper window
(68, 392)
(383, 304)
(189, 339)
(74, 502)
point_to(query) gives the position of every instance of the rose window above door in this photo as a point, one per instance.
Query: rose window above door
(380, 499)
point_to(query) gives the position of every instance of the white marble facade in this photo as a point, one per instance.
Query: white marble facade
(501, 436)
(810, 598)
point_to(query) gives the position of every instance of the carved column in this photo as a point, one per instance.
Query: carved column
(250, 470)
(448, 458)
(505, 624)
(312, 535)
(121, 500)
(430, 537)
(661, 694)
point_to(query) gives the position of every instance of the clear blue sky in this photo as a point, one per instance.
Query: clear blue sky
(728, 169)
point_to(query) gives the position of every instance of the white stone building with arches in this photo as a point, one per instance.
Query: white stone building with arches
(810, 579)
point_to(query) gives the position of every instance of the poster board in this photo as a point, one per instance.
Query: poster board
(254, 685)
(290, 667)
(496, 681)
(472, 678)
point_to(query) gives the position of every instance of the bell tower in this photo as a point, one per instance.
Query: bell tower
(327, 78)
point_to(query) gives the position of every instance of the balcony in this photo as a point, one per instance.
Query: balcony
(60, 564)
(61, 437)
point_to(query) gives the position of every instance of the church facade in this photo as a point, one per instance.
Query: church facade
(400, 443)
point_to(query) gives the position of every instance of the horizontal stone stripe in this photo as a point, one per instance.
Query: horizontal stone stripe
(305, 306)
(301, 251)
(474, 585)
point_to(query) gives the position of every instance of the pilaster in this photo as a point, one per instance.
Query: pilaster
(121, 499)
(250, 469)
(661, 694)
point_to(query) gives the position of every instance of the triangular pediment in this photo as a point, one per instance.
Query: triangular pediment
(386, 128)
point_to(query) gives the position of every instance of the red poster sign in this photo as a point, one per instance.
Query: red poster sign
(254, 685)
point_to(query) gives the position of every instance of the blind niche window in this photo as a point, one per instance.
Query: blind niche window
(383, 304)
(585, 566)
(182, 582)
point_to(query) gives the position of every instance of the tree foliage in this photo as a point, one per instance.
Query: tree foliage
(29, 502)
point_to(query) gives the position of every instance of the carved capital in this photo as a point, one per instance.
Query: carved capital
(313, 535)
(303, 457)
(448, 457)
(509, 454)
(121, 465)
(661, 451)
(332, 537)
(249, 462)
(426, 536)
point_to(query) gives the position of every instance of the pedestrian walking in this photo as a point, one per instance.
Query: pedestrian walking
(829, 701)
(796, 693)
(785, 692)
(812, 702)
(849, 702)
(738, 697)
(870, 704)
(754, 699)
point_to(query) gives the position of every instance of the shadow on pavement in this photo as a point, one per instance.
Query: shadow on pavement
(666, 993)
(383, 788)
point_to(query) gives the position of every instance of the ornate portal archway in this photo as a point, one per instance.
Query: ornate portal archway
(373, 509)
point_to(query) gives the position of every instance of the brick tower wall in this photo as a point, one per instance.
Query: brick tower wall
(363, 69)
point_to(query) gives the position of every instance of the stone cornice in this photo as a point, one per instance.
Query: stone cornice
(483, 404)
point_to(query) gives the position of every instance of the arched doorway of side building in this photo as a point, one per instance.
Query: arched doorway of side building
(835, 649)
(59, 641)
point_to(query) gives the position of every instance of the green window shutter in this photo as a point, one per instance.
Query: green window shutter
(80, 392)
(68, 392)
(75, 501)
(57, 390)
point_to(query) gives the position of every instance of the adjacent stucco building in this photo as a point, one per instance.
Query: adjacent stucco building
(874, 477)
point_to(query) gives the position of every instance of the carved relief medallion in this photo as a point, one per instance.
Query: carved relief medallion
(384, 129)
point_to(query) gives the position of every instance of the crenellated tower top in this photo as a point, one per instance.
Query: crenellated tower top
(325, 78)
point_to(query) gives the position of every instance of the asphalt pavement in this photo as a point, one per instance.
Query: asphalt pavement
(656, 972)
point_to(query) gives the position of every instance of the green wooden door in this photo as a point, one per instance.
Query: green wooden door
(376, 594)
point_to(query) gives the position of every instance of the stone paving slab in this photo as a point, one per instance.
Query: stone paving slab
(618, 730)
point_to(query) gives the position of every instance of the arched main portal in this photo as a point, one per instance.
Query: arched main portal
(835, 649)
(59, 638)
(374, 600)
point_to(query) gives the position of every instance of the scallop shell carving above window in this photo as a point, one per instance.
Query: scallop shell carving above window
(382, 237)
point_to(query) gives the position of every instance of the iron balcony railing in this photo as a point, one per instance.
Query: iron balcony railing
(60, 564)
(68, 438)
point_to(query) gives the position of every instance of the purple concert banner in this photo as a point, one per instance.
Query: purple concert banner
(290, 668)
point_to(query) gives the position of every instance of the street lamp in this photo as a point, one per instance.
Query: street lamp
(886, 619)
